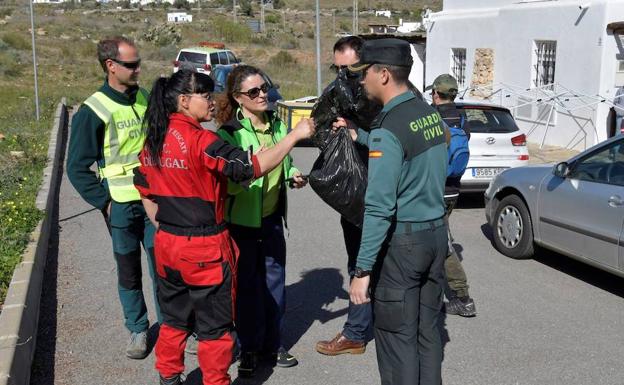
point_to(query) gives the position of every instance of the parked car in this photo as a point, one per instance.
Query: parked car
(575, 208)
(496, 144)
(221, 72)
(204, 57)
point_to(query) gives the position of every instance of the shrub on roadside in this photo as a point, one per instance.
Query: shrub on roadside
(16, 41)
(282, 59)
(231, 32)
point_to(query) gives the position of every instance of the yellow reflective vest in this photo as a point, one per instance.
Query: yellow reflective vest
(123, 140)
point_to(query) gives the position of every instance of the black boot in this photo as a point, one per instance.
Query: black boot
(175, 380)
(248, 364)
(462, 306)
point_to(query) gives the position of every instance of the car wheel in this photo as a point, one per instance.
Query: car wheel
(513, 231)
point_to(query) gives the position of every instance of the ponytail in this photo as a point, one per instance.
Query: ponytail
(163, 102)
(156, 120)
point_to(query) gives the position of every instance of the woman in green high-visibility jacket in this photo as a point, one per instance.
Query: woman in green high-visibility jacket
(256, 216)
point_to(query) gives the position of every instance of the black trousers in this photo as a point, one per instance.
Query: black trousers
(407, 303)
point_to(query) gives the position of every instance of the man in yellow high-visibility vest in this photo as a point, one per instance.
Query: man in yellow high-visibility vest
(107, 130)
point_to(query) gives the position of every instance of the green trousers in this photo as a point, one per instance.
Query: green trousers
(455, 274)
(130, 227)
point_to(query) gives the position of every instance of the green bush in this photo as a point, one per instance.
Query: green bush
(273, 19)
(10, 64)
(162, 35)
(16, 40)
(282, 59)
(231, 32)
(288, 43)
(5, 12)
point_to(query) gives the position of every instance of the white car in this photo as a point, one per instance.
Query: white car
(204, 57)
(496, 144)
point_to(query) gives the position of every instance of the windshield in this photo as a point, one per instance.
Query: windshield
(486, 120)
(193, 57)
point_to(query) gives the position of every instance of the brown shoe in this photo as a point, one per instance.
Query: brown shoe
(340, 345)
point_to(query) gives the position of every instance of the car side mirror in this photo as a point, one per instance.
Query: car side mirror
(562, 170)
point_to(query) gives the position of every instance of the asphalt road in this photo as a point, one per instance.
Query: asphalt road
(544, 321)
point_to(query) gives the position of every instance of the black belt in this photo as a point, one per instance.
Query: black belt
(196, 231)
(412, 227)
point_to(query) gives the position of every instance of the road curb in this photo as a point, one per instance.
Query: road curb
(20, 313)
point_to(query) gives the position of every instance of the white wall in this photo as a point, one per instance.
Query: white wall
(585, 53)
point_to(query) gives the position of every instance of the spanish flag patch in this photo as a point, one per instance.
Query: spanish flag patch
(375, 154)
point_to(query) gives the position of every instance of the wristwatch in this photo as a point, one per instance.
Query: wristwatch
(359, 273)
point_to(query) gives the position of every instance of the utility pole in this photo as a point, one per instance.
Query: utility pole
(34, 54)
(334, 22)
(284, 19)
(234, 9)
(262, 26)
(318, 49)
(355, 17)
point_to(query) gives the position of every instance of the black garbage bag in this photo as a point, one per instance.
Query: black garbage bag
(346, 98)
(339, 177)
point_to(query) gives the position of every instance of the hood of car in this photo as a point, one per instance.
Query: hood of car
(519, 177)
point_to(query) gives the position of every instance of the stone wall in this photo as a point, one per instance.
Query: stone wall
(483, 73)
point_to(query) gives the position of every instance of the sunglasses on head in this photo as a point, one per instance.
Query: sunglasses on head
(253, 93)
(335, 69)
(131, 65)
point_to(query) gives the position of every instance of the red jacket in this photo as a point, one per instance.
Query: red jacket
(190, 186)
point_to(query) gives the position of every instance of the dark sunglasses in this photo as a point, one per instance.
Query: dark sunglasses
(131, 65)
(253, 93)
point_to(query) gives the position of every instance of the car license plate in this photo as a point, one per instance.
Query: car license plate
(486, 172)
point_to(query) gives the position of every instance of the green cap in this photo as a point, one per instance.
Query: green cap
(445, 84)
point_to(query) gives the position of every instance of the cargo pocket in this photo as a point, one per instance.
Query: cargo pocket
(389, 309)
(199, 269)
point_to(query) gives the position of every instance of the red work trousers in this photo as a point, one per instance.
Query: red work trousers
(196, 291)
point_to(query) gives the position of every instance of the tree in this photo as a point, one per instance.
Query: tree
(246, 8)
(277, 4)
(182, 4)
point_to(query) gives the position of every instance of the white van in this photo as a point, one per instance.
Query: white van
(203, 57)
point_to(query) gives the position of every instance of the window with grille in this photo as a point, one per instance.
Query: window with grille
(544, 60)
(458, 66)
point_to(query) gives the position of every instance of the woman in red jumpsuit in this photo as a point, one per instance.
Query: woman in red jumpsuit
(183, 183)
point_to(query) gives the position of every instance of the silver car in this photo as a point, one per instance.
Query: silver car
(575, 208)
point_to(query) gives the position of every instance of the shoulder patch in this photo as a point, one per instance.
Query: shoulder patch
(375, 154)
(376, 140)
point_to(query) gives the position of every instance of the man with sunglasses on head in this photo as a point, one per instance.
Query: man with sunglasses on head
(107, 130)
(357, 329)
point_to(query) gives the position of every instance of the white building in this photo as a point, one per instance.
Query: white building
(556, 64)
(387, 14)
(408, 27)
(179, 17)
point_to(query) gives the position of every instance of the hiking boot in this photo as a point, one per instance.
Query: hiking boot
(283, 359)
(175, 380)
(340, 345)
(462, 306)
(191, 344)
(248, 364)
(137, 346)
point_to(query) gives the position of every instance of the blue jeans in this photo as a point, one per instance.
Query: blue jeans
(261, 291)
(358, 326)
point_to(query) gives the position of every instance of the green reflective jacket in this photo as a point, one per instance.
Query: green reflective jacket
(244, 206)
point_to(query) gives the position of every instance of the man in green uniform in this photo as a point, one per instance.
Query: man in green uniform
(404, 238)
(106, 130)
(443, 92)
